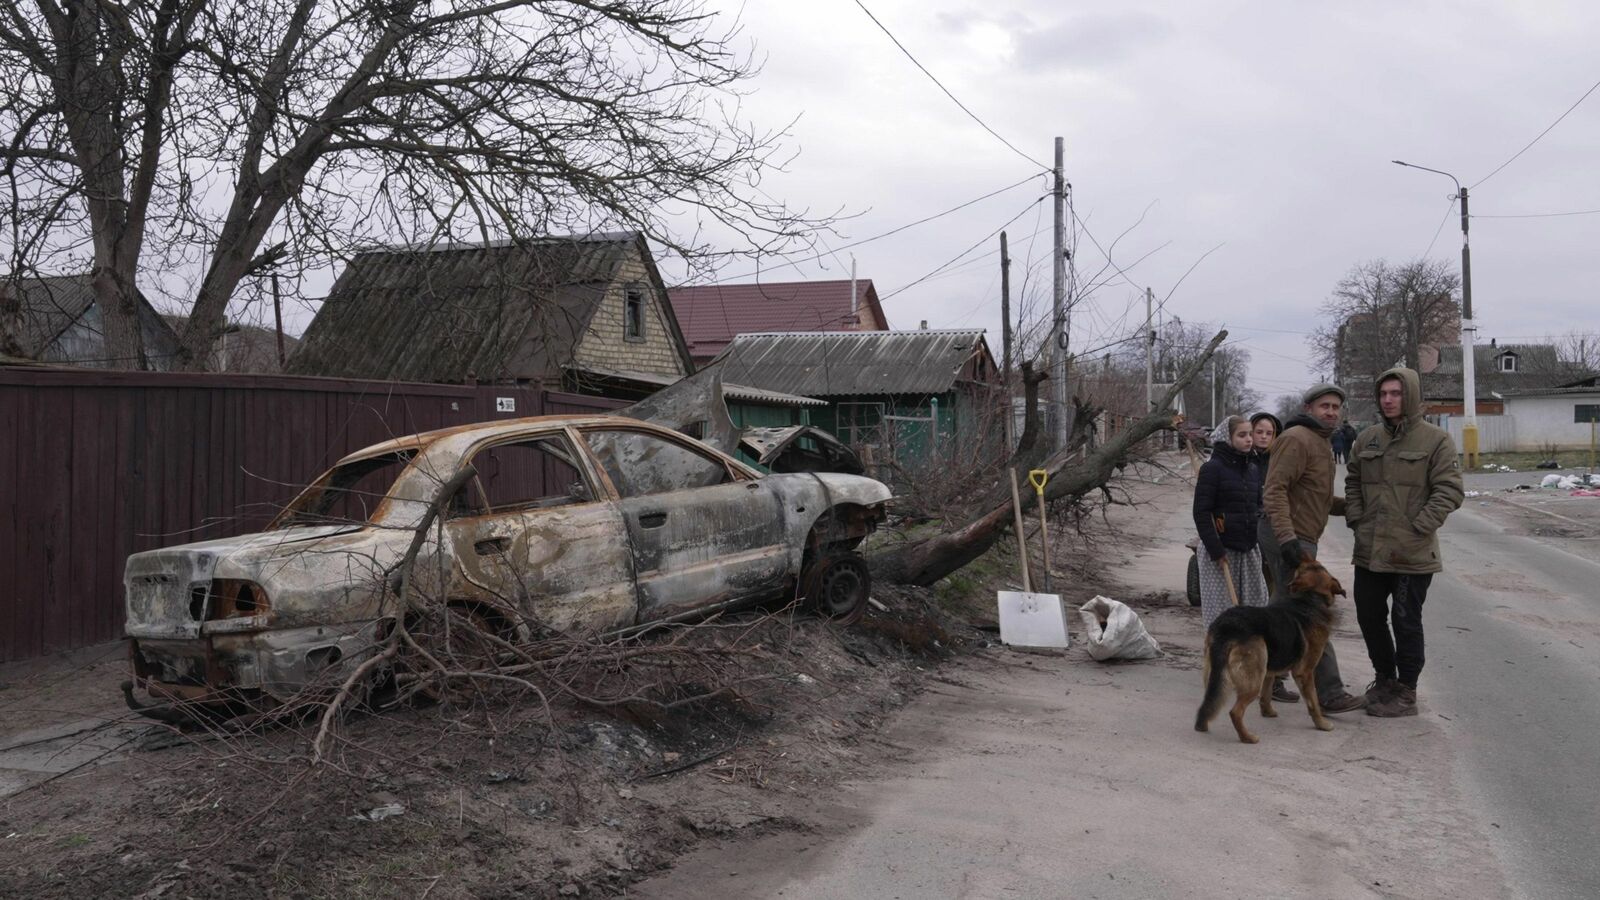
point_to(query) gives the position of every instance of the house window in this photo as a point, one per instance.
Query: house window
(1508, 362)
(633, 314)
(1586, 412)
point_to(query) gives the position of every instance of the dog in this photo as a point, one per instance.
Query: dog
(1250, 645)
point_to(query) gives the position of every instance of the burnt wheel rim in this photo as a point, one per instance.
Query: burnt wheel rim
(842, 589)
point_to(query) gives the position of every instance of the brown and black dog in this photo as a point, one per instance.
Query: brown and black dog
(1249, 645)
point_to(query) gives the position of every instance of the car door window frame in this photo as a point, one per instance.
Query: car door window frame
(737, 471)
(578, 459)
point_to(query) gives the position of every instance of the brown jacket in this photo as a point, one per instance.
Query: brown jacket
(1402, 483)
(1299, 491)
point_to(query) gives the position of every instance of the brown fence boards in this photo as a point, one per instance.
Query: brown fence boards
(97, 465)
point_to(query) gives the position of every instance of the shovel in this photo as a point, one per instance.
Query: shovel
(1028, 619)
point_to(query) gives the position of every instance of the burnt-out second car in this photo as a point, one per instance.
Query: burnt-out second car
(574, 525)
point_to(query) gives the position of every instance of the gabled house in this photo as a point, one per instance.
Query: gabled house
(57, 319)
(586, 314)
(910, 396)
(1564, 417)
(1499, 368)
(712, 315)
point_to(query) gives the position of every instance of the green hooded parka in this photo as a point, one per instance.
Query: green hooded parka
(1401, 483)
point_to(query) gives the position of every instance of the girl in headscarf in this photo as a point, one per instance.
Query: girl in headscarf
(1227, 507)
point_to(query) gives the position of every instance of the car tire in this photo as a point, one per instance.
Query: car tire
(1194, 579)
(838, 586)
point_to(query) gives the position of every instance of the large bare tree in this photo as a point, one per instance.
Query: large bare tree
(208, 144)
(1380, 315)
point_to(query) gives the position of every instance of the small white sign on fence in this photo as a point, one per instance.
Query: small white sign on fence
(505, 404)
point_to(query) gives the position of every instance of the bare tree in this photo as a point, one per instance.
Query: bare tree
(1380, 315)
(231, 140)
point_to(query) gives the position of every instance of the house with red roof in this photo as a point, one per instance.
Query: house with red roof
(712, 315)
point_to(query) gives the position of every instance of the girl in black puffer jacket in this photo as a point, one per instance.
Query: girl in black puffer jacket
(1228, 493)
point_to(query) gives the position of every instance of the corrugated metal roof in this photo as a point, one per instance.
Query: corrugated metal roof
(497, 310)
(831, 364)
(729, 391)
(712, 314)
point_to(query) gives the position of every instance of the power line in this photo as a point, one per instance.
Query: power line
(1536, 138)
(1576, 212)
(893, 231)
(954, 259)
(946, 90)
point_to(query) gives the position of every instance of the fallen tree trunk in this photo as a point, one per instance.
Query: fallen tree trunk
(925, 561)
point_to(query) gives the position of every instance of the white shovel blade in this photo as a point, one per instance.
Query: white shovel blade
(1032, 620)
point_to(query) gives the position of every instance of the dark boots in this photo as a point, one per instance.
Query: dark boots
(1281, 691)
(1400, 700)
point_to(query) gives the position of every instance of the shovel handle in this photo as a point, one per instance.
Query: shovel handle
(1038, 478)
(1227, 577)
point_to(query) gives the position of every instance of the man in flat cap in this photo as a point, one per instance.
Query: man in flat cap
(1299, 498)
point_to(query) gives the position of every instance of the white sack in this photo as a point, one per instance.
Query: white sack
(1550, 481)
(1113, 631)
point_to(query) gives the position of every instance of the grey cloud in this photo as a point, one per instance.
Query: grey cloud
(1089, 41)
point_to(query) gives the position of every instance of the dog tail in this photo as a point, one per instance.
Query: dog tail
(1215, 669)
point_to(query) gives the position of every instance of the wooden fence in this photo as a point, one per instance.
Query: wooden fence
(95, 465)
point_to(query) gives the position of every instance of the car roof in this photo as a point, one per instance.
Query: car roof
(474, 432)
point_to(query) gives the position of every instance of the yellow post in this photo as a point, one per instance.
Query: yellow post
(1469, 445)
(1591, 444)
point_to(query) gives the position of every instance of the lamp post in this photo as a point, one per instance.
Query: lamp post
(1469, 374)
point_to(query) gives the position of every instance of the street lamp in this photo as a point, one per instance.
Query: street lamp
(1469, 374)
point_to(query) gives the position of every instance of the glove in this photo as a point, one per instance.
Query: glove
(1292, 553)
(1216, 556)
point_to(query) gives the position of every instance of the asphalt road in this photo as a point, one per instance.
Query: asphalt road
(1060, 777)
(1514, 667)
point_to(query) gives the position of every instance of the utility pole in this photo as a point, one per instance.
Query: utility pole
(1005, 308)
(1058, 332)
(1469, 361)
(1213, 391)
(277, 314)
(1005, 341)
(1149, 352)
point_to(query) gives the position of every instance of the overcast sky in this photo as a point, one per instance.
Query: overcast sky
(1264, 127)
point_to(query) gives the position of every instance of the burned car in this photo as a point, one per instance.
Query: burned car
(576, 525)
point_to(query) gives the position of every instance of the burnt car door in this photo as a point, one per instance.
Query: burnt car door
(703, 533)
(532, 533)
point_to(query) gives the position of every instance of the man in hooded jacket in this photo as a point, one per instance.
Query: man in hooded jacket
(1299, 498)
(1402, 482)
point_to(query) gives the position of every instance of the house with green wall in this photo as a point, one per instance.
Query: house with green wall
(907, 396)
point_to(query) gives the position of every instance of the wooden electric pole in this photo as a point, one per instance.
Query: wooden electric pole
(1058, 331)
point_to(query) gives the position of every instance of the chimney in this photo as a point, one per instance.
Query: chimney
(1491, 343)
(924, 325)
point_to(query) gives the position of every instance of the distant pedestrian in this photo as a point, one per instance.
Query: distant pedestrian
(1346, 436)
(1299, 498)
(1340, 442)
(1402, 482)
(1227, 507)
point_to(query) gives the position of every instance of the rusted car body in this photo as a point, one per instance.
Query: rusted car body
(585, 525)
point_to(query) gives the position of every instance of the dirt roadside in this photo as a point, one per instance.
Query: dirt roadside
(482, 802)
(1029, 776)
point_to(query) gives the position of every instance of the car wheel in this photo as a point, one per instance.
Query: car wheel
(1194, 579)
(838, 587)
